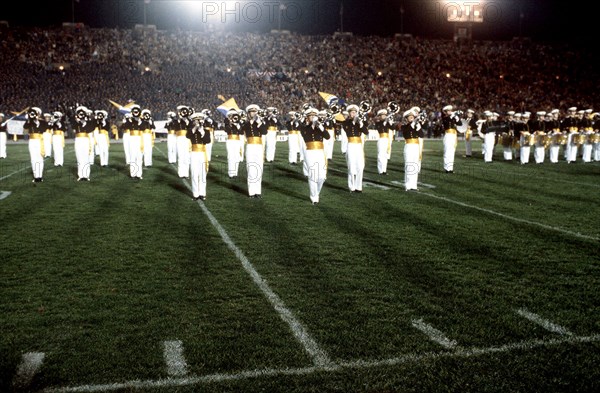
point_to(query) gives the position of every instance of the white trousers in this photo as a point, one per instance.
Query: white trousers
(525, 150)
(450, 141)
(412, 165)
(344, 142)
(234, 156)
(147, 143)
(316, 161)
(172, 148)
(271, 142)
(58, 149)
(37, 159)
(572, 157)
(3, 137)
(125, 138)
(539, 154)
(47, 137)
(468, 143)
(92, 139)
(489, 140)
(587, 152)
(254, 168)
(136, 156)
(198, 171)
(355, 159)
(328, 143)
(553, 154)
(102, 145)
(82, 154)
(383, 145)
(183, 156)
(596, 151)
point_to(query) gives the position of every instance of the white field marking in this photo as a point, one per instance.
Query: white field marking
(546, 324)
(4, 194)
(434, 334)
(29, 366)
(401, 183)
(532, 175)
(319, 357)
(521, 220)
(14, 173)
(339, 366)
(374, 185)
(173, 354)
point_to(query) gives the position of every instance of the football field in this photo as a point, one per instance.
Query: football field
(485, 280)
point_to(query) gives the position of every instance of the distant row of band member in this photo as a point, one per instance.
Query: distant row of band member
(252, 137)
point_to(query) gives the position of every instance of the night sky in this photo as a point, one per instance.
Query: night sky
(541, 19)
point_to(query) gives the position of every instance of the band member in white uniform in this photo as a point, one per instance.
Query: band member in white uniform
(234, 142)
(47, 135)
(314, 133)
(84, 127)
(355, 128)
(486, 131)
(328, 122)
(136, 144)
(587, 134)
(102, 136)
(526, 139)
(272, 130)
(148, 135)
(199, 136)
(293, 138)
(553, 128)
(58, 139)
(450, 121)
(183, 143)
(538, 127)
(36, 128)
(411, 131)
(172, 126)
(254, 130)
(126, 134)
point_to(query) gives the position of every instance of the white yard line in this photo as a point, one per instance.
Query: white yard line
(434, 334)
(173, 354)
(339, 366)
(14, 173)
(546, 324)
(29, 366)
(319, 357)
(511, 218)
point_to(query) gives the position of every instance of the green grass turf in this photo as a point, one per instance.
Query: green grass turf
(97, 275)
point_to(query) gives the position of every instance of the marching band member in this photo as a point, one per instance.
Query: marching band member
(126, 126)
(172, 127)
(3, 135)
(538, 126)
(517, 127)
(58, 139)
(411, 131)
(487, 131)
(148, 135)
(183, 143)
(314, 133)
(103, 138)
(272, 130)
(471, 125)
(209, 125)
(587, 126)
(553, 127)
(254, 130)
(508, 136)
(526, 139)
(293, 138)
(450, 121)
(354, 128)
(343, 136)
(136, 144)
(383, 125)
(596, 137)
(329, 124)
(570, 125)
(47, 135)
(84, 127)
(199, 135)
(234, 142)
(93, 137)
(36, 129)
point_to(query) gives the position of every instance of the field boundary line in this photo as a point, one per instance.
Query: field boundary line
(434, 334)
(319, 357)
(339, 366)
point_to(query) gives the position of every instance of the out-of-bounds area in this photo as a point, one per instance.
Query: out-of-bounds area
(486, 279)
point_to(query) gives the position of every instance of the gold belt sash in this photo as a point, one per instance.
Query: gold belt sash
(104, 132)
(450, 131)
(37, 136)
(354, 139)
(136, 133)
(198, 147)
(81, 135)
(147, 131)
(181, 133)
(233, 137)
(293, 132)
(172, 132)
(314, 145)
(384, 135)
(412, 141)
(272, 128)
(254, 140)
(61, 133)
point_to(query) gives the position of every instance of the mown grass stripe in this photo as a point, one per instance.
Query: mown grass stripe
(173, 354)
(434, 334)
(319, 357)
(339, 366)
(546, 324)
(29, 366)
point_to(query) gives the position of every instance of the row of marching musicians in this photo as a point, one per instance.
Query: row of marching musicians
(47, 138)
(521, 134)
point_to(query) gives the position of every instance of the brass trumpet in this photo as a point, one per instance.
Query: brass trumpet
(393, 107)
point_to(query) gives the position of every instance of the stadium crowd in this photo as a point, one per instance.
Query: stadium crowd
(163, 69)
